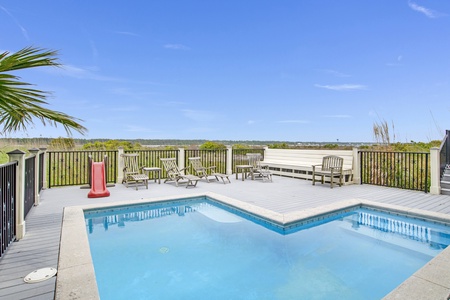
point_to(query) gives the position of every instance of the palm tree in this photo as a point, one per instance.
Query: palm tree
(20, 104)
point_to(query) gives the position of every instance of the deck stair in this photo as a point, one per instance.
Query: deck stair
(445, 181)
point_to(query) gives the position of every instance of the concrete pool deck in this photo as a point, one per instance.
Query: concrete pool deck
(284, 198)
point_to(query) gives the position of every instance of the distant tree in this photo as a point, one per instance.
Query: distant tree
(62, 143)
(112, 145)
(19, 104)
(212, 146)
(279, 146)
(331, 146)
(170, 148)
(241, 146)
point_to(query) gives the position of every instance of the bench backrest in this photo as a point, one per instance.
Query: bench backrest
(306, 157)
(332, 161)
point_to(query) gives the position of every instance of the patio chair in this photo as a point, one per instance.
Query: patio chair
(204, 172)
(131, 171)
(175, 174)
(258, 170)
(331, 167)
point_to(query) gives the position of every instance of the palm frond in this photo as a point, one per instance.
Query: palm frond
(19, 103)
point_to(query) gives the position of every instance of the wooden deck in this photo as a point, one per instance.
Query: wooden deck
(40, 246)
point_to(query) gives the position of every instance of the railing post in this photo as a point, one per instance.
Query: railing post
(44, 167)
(120, 165)
(435, 170)
(229, 163)
(19, 156)
(356, 167)
(35, 152)
(181, 159)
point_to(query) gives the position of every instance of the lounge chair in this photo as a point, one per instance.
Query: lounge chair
(331, 167)
(175, 174)
(204, 172)
(131, 171)
(258, 170)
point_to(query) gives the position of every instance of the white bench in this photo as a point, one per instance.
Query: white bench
(298, 162)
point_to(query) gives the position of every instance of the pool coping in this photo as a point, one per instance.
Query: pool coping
(76, 276)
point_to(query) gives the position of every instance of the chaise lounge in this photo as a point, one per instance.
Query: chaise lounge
(175, 174)
(204, 172)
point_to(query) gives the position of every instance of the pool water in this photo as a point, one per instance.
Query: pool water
(195, 249)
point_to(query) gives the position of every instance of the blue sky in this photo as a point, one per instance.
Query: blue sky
(311, 70)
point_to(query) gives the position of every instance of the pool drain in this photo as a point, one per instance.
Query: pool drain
(40, 275)
(163, 250)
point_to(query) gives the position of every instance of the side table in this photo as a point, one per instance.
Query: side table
(243, 169)
(155, 170)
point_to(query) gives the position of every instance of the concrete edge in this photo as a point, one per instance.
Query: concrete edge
(76, 275)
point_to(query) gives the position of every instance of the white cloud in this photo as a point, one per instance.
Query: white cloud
(426, 11)
(342, 87)
(335, 73)
(251, 122)
(176, 47)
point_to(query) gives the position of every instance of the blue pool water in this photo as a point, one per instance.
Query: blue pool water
(194, 249)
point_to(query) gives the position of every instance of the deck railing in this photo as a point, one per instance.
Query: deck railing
(41, 172)
(7, 210)
(217, 158)
(30, 181)
(445, 152)
(66, 168)
(72, 167)
(406, 170)
(240, 156)
(151, 158)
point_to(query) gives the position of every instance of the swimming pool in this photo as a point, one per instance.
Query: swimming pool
(194, 249)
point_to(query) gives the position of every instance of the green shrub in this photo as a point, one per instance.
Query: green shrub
(212, 146)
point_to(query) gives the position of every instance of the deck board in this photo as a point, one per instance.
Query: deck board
(40, 246)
